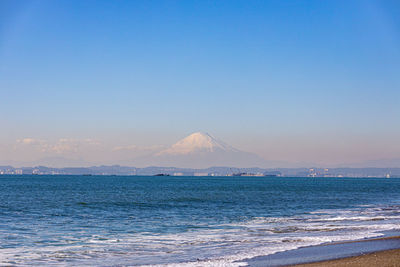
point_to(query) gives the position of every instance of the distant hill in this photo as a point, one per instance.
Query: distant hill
(380, 163)
(211, 171)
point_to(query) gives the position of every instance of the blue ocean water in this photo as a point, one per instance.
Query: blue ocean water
(193, 221)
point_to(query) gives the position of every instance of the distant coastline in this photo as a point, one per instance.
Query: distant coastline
(212, 171)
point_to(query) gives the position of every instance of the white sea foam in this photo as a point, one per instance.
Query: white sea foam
(224, 245)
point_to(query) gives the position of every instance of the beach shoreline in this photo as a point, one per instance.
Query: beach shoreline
(381, 258)
(380, 251)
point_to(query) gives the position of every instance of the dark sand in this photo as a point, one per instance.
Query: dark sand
(369, 252)
(382, 259)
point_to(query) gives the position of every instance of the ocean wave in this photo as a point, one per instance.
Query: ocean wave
(221, 245)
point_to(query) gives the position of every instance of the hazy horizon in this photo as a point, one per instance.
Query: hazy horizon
(312, 83)
(150, 157)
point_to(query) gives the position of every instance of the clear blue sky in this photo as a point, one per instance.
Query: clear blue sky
(272, 77)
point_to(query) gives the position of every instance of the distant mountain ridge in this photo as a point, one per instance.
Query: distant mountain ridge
(198, 150)
(211, 171)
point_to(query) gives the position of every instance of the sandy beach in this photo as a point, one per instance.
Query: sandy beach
(383, 251)
(381, 258)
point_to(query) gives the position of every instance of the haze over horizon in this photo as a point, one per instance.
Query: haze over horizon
(313, 82)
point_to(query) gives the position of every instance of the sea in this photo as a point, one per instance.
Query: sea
(61, 220)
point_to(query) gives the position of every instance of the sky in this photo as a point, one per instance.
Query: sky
(107, 81)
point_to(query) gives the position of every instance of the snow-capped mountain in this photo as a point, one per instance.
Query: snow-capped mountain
(195, 143)
(201, 150)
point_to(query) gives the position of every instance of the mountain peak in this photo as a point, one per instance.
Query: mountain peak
(197, 142)
(200, 150)
(199, 135)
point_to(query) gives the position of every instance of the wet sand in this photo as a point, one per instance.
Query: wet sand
(380, 252)
(382, 259)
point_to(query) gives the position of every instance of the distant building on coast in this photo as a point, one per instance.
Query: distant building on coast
(200, 174)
